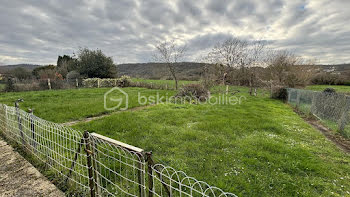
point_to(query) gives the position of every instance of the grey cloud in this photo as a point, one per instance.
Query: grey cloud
(37, 31)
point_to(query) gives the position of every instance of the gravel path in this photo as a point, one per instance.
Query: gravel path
(19, 178)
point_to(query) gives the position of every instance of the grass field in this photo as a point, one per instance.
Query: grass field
(2, 86)
(67, 105)
(338, 88)
(257, 148)
(163, 82)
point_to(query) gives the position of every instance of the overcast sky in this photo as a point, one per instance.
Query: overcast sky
(37, 31)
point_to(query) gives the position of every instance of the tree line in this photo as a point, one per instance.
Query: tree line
(233, 61)
(241, 62)
(85, 64)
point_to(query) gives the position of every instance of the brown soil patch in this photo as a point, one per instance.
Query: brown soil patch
(336, 138)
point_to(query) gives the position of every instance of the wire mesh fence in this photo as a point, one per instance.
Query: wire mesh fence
(331, 108)
(56, 146)
(91, 164)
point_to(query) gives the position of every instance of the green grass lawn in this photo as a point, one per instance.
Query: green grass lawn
(338, 88)
(171, 83)
(66, 105)
(2, 86)
(258, 148)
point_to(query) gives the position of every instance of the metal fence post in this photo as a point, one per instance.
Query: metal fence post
(150, 174)
(89, 163)
(345, 115)
(6, 120)
(95, 166)
(298, 99)
(19, 119)
(32, 129)
(141, 176)
(313, 108)
(75, 159)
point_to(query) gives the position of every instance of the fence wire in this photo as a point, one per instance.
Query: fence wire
(331, 108)
(53, 144)
(92, 164)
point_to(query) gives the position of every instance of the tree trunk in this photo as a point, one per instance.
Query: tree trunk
(251, 85)
(176, 84)
(223, 78)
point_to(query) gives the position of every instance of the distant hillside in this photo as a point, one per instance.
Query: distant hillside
(6, 68)
(192, 71)
(338, 68)
(185, 70)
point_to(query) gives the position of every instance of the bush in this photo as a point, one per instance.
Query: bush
(194, 91)
(55, 84)
(72, 75)
(90, 82)
(329, 91)
(279, 93)
(124, 81)
(94, 63)
(329, 79)
(59, 84)
(108, 82)
(10, 85)
(27, 87)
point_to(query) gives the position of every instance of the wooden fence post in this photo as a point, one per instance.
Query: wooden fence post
(226, 89)
(151, 164)
(89, 163)
(19, 119)
(49, 83)
(76, 82)
(98, 83)
(271, 89)
(150, 174)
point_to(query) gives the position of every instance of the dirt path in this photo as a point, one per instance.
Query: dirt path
(336, 138)
(19, 178)
(105, 115)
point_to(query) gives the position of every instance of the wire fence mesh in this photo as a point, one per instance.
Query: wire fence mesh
(54, 145)
(91, 164)
(331, 108)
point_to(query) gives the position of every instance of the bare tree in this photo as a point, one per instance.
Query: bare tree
(228, 54)
(287, 69)
(170, 54)
(241, 56)
(255, 58)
